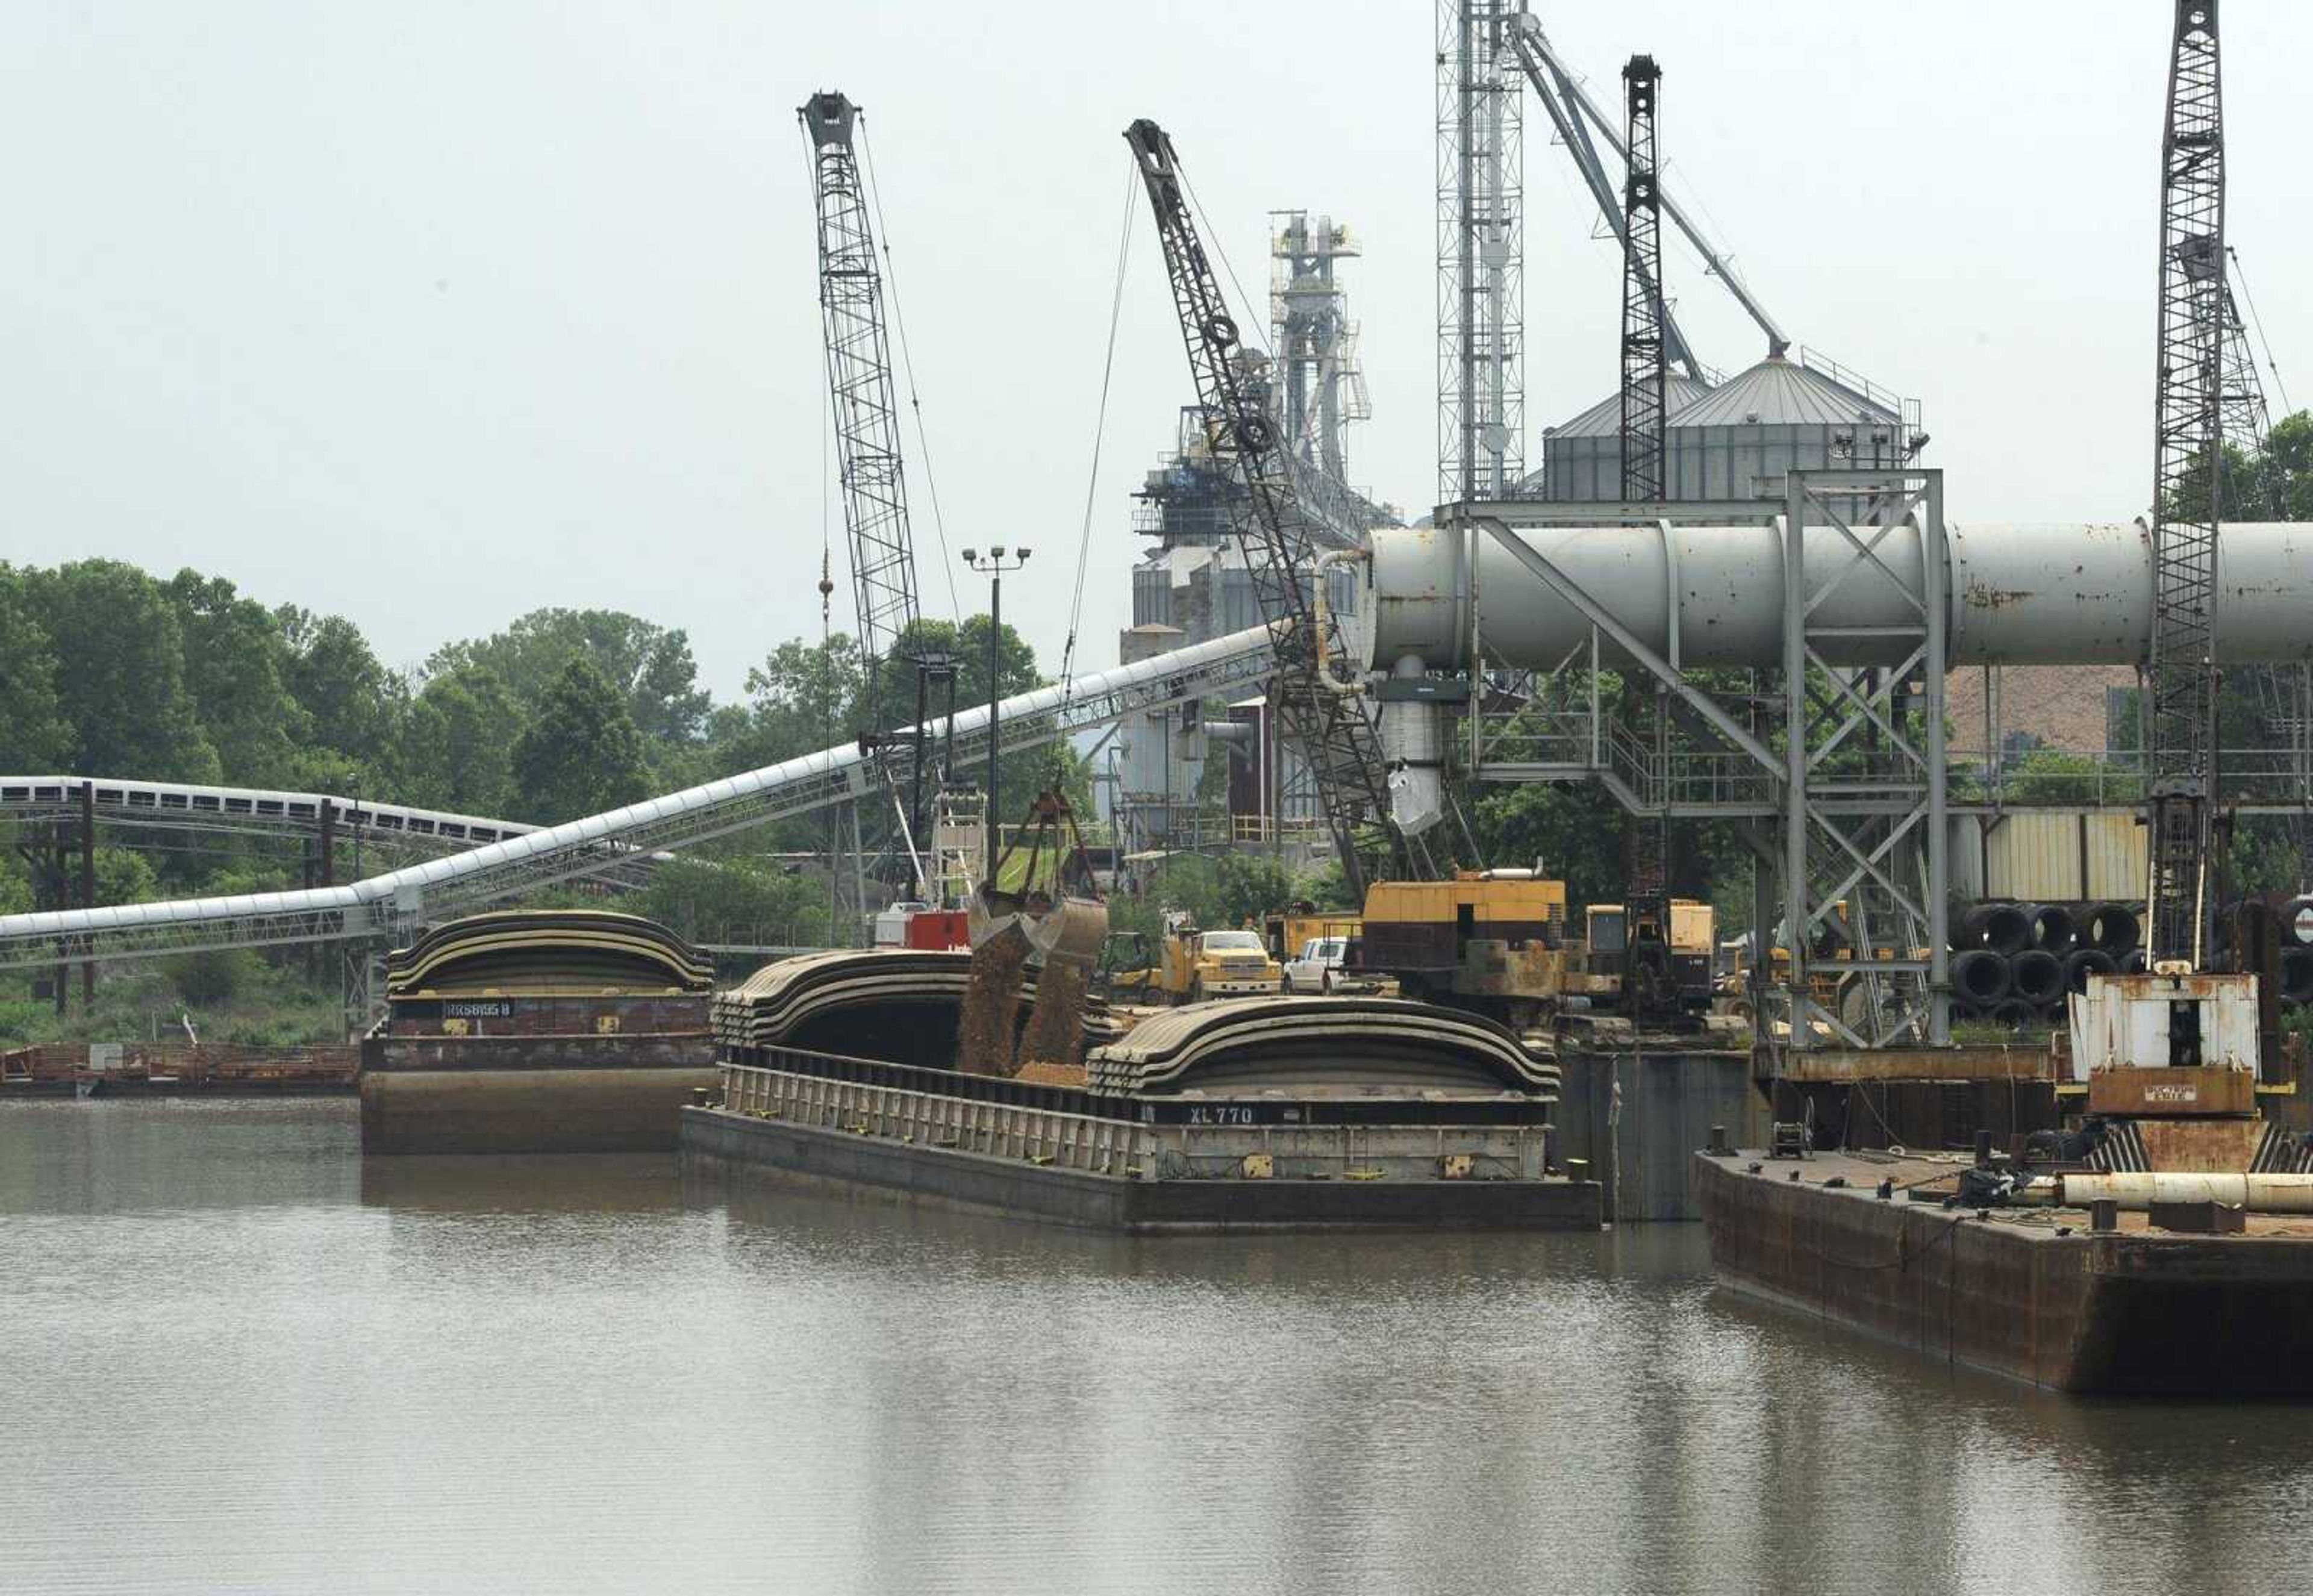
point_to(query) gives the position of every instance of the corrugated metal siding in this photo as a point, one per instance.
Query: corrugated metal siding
(2117, 860)
(2034, 855)
(1778, 391)
(2062, 854)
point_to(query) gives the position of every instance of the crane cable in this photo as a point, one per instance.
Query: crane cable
(1092, 484)
(2249, 300)
(1249, 333)
(908, 365)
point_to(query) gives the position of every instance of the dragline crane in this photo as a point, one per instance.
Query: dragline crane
(1324, 715)
(2180, 677)
(867, 416)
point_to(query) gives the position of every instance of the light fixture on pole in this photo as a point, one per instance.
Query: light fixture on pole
(993, 566)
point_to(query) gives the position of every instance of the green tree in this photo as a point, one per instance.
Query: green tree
(457, 743)
(650, 665)
(739, 901)
(35, 738)
(803, 697)
(350, 698)
(234, 655)
(123, 876)
(580, 754)
(119, 673)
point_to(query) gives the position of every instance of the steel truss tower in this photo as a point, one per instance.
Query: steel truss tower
(860, 389)
(1645, 370)
(1320, 388)
(1481, 246)
(1322, 715)
(2181, 676)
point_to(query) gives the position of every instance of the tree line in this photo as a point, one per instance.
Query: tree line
(112, 671)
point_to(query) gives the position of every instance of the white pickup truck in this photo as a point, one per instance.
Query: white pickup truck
(1320, 962)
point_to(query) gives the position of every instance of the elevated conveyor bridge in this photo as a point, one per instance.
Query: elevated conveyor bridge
(393, 904)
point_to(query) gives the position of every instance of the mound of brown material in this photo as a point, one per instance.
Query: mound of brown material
(1055, 1034)
(991, 1006)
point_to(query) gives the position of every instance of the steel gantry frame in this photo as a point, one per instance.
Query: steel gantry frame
(2180, 697)
(1324, 715)
(1320, 387)
(1836, 778)
(1480, 252)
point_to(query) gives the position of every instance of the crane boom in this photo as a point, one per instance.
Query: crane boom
(1534, 56)
(1328, 723)
(2181, 674)
(1645, 373)
(860, 389)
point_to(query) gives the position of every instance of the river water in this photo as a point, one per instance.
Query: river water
(233, 1357)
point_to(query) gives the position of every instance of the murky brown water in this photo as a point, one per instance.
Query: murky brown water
(233, 1358)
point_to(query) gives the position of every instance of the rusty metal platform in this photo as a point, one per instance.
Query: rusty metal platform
(2028, 1292)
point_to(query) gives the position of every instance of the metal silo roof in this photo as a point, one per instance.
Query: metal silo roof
(1779, 392)
(1605, 418)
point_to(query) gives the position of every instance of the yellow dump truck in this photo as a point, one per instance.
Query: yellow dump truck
(1186, 965)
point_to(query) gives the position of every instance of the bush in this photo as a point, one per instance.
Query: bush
(24, 1018)
(205, 980)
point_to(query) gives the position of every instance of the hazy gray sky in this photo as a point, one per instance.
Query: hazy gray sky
(433, 312)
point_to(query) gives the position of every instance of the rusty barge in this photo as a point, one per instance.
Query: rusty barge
(2159, 1242)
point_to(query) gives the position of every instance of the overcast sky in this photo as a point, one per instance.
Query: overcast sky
(433, 312)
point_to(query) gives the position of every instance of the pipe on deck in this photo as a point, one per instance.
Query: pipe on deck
(2138, 1191)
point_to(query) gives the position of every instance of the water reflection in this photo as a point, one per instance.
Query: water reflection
(278, 1368)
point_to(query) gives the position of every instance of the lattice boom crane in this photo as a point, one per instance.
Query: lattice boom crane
(860, 389)
(1322, 716)
(2180, 687)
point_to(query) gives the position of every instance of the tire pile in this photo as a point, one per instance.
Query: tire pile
(2015, 963)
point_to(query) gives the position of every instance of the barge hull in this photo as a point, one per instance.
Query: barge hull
(616, 1108)
(716, 1140)
(2128, 1312)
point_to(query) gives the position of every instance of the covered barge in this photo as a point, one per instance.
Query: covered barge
(563, 1030)
(1286, 1112)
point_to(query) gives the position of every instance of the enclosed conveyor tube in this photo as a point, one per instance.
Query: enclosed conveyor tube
(2020, 595)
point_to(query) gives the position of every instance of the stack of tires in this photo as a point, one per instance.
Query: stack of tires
(2015, 963)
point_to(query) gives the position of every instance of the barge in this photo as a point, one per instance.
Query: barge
(1255, 1114)
(566, 1030)
(1260, 1160)
(2161, 1243)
